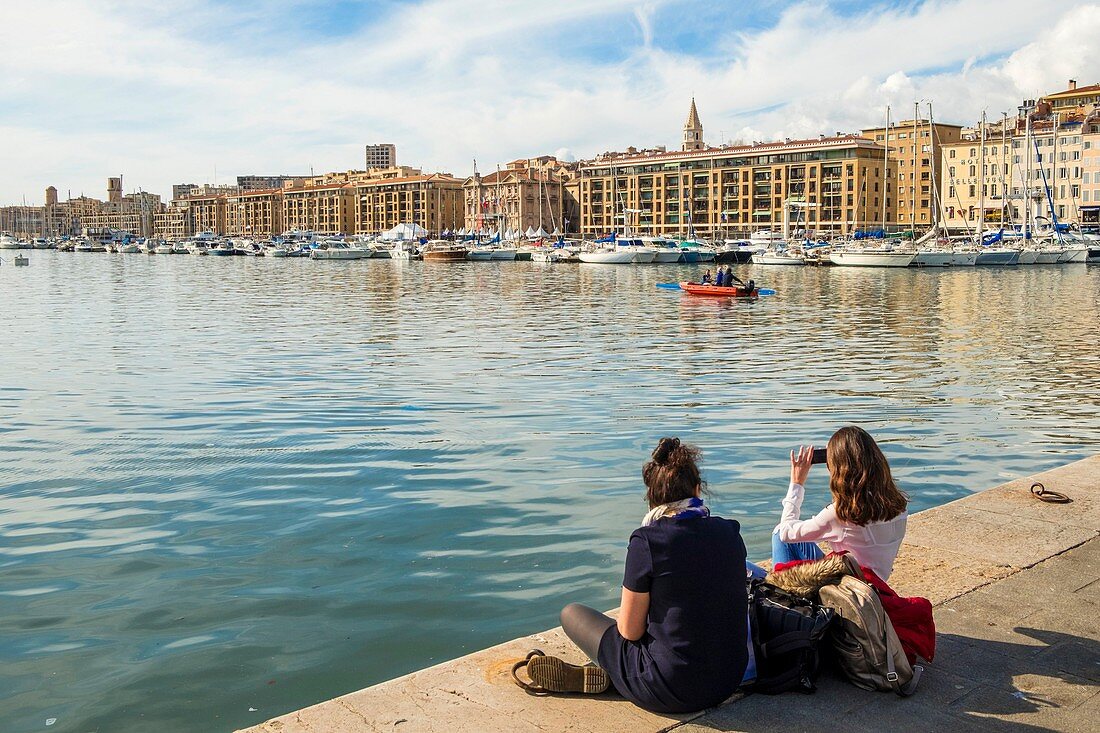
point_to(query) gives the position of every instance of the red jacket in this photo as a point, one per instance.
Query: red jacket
(911, 617)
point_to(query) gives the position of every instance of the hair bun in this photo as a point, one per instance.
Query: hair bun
(664, 449)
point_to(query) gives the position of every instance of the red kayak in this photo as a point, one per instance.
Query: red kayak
(714, 290)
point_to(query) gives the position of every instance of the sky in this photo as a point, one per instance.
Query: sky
(201, 91)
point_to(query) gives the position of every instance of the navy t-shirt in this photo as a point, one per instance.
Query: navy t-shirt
(694, 651)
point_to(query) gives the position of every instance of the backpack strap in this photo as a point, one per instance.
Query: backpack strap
(891, 671)
(789, 642)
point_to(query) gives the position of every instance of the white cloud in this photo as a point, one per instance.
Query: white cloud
(167, 93)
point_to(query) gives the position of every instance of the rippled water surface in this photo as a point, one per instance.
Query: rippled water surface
(232, 487)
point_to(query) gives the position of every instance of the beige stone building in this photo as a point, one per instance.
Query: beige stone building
(827, 185)
(1072, 100)
(914, 149)
(1090, 171)
(527, 194)
(970, 179)
(254, 213)
(433, 201)
(323, 208)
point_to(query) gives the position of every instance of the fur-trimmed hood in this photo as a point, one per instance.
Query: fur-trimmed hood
(806, 579)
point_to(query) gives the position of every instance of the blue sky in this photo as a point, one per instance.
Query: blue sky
(198, 90)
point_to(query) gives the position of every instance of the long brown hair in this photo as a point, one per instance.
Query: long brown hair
(863, 488)
(672, 473)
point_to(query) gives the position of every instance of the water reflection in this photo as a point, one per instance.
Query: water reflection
(262, 483)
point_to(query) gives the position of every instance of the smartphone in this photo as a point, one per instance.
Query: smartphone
(820, 455)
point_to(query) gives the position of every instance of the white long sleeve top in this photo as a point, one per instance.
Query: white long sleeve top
(874, 545)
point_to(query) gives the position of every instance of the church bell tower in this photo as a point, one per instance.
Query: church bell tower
(693, 130)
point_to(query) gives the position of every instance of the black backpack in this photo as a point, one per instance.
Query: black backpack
(786, 630)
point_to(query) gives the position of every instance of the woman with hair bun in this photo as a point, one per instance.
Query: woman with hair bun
(867, 516)
(680, 642)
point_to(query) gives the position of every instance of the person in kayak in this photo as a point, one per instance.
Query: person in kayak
(706, 278)
(680, 643)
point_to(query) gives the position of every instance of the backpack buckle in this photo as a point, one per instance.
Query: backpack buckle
(892, 676)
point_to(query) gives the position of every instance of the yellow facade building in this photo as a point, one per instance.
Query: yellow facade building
(914, 149)
(254, 213)
(828, 186)
(432, 201)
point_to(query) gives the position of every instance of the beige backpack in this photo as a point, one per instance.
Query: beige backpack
(867, 648)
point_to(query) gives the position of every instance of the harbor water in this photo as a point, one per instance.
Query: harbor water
(233, 487)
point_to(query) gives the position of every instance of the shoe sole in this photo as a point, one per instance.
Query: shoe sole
(554, 675)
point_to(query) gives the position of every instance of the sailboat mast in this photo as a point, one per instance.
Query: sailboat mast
(1029, 156)
(981, 185)
(886, 169)
(913, 173)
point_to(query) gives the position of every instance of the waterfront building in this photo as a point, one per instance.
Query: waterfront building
(183, 190)
(827, 185)
(971, 180)
(381, 155)
(174, 222)
(914, 149)
(382, 201)
(1072, 100)
(131, 213)
(23, 221)
(264, 183)
(527, 194)
(1090, 171)
(318, 206)
(254, 213)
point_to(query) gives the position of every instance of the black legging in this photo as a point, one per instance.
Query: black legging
(585, 627)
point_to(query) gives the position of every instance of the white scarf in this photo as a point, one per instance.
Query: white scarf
(691, 507)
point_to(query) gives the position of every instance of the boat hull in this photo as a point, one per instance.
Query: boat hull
(872, 259)
(668, 256)
(504, 254)
(479, 255)
(607, 258)
(715, 291)
(1073, 254)
(999, 258)
(451, 256)
(933, 259)
(1028, 257)
(777, 259)
(733, 257)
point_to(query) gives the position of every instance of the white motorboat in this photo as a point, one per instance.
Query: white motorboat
(9, 242)
(180, 248)
(337, 249)
(640, 253)
(871, 257)
(277, 250)
(40, 243)
(998, 256)
(379, 251)
(164, 248)
(222, 249)
(607, 256)
(128, 248)
(547, 255)
(404, 251)
(84, 245)
(668, 251)
(778, 257)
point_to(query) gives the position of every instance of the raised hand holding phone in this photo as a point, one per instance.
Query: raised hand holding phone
(800, 463)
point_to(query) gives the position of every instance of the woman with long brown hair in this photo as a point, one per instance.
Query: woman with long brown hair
(867, 516)
(680, 643)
